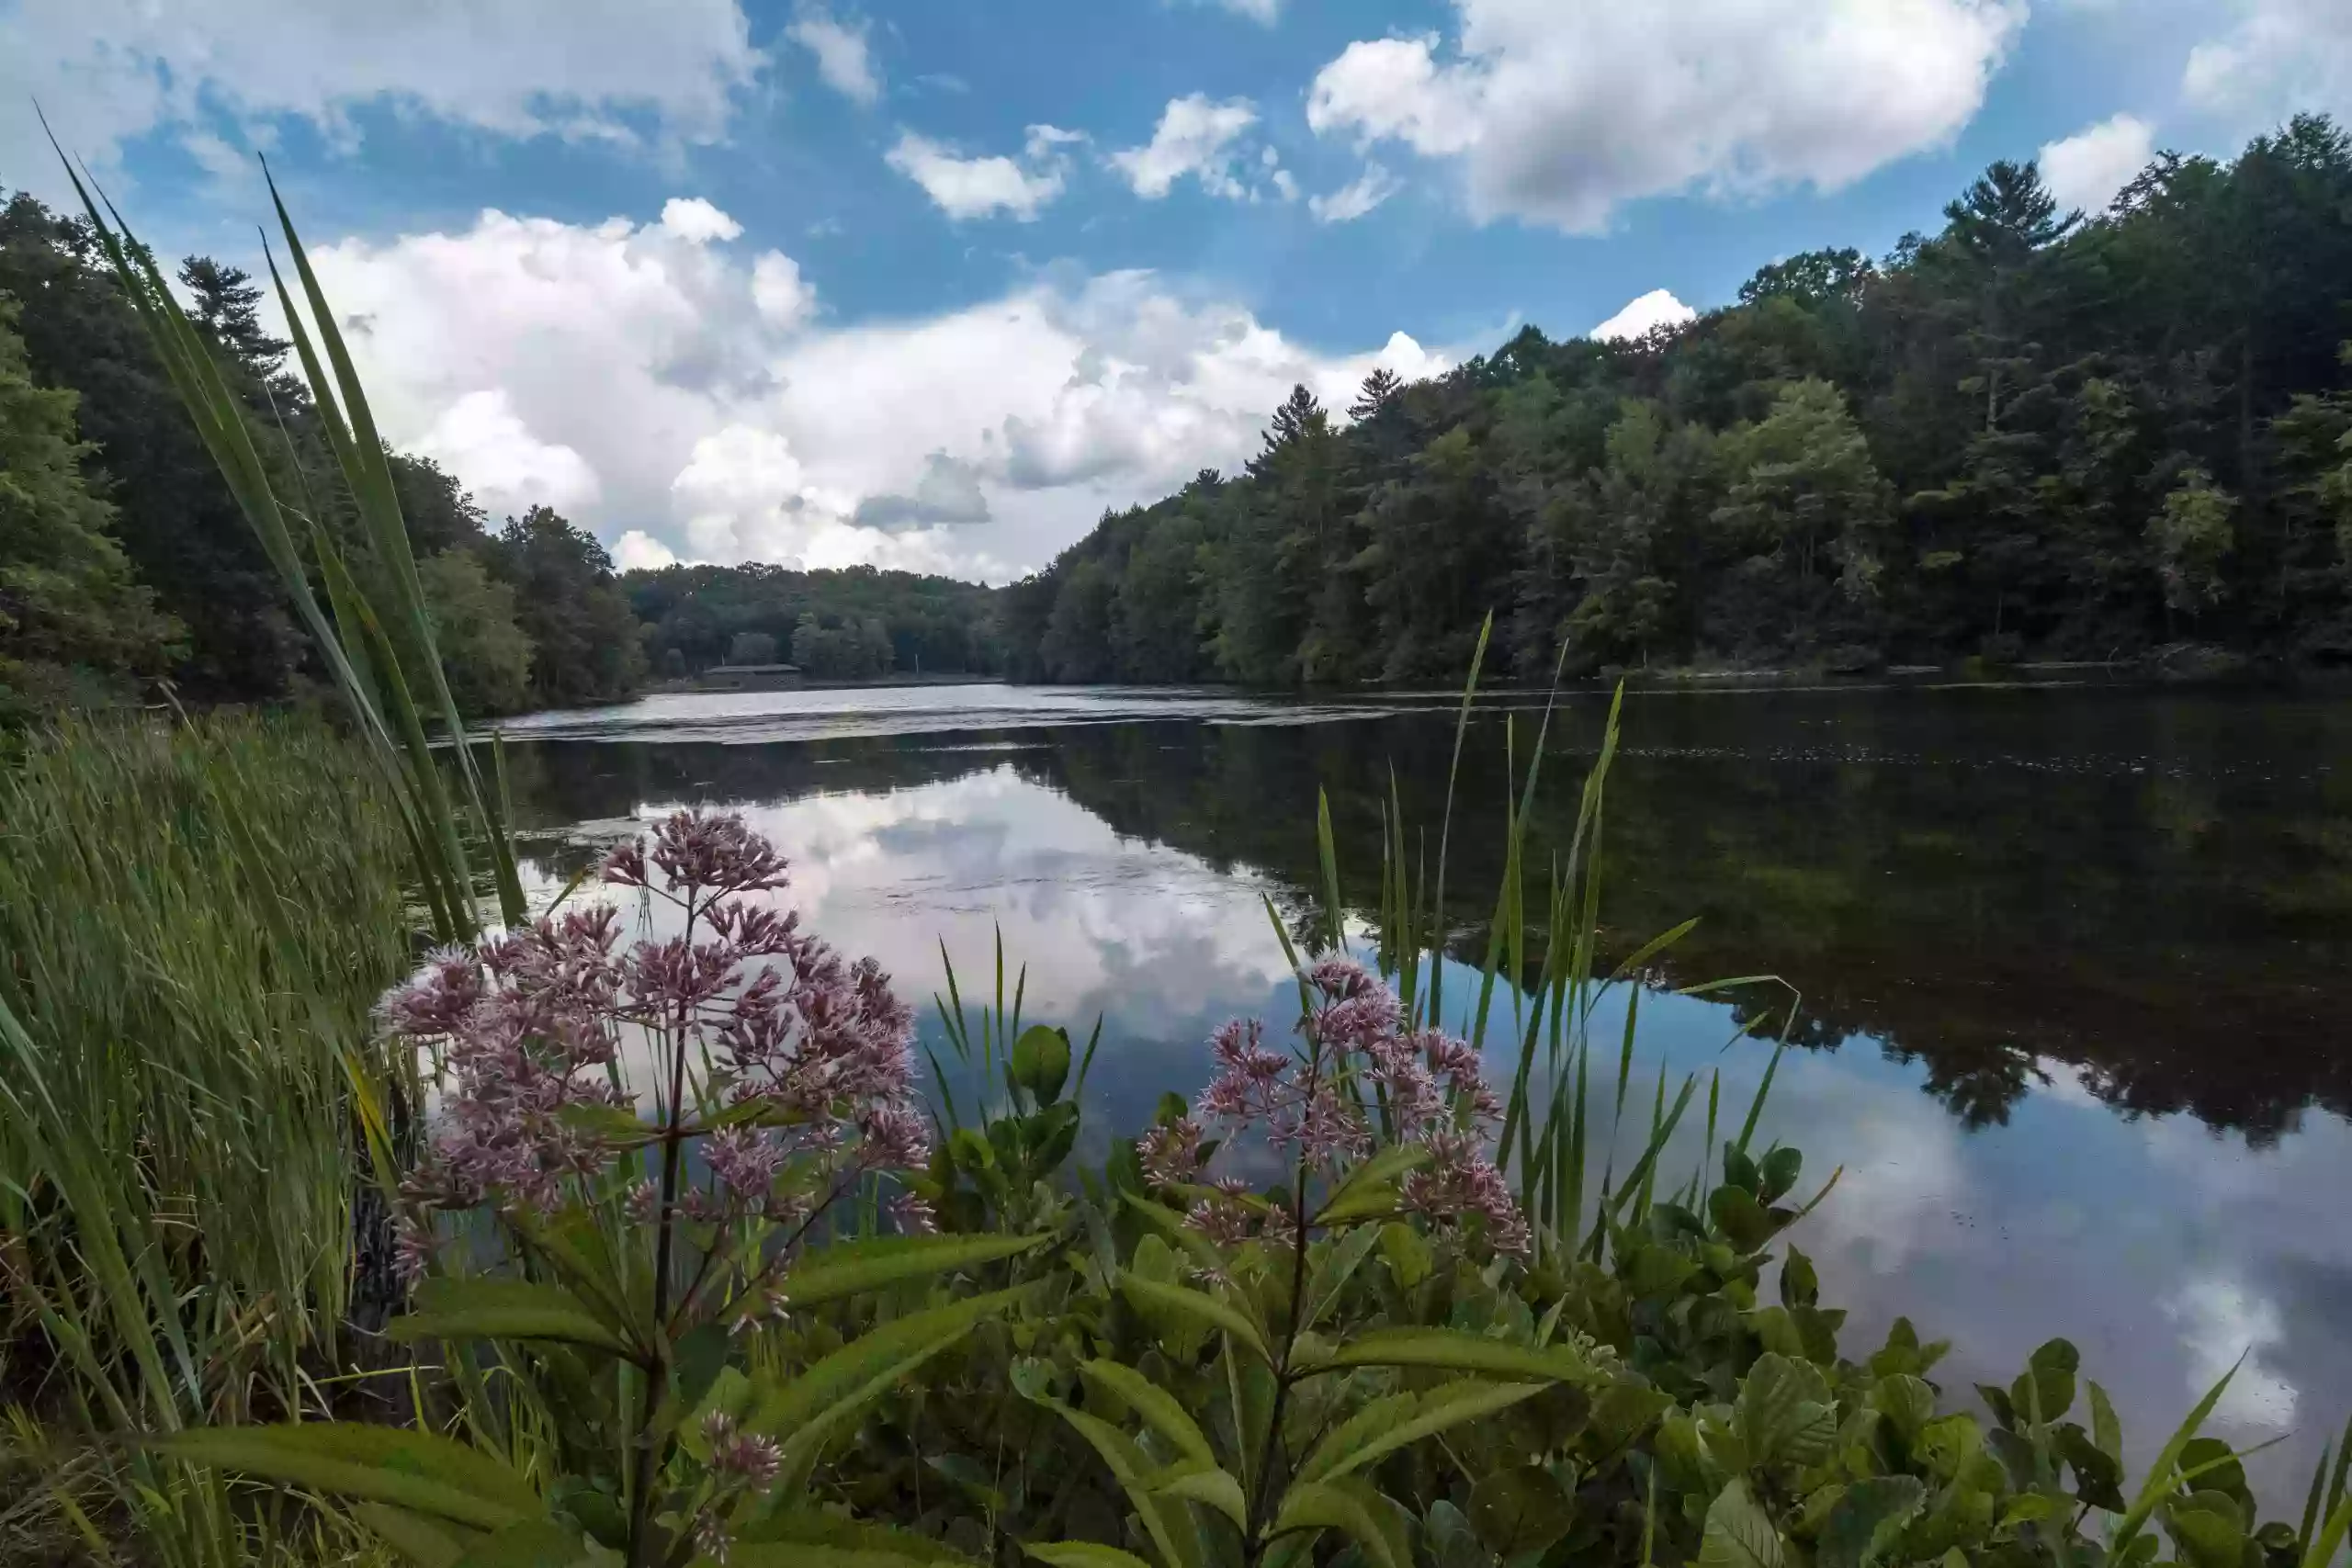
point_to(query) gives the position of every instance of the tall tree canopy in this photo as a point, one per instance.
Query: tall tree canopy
(2034, 432)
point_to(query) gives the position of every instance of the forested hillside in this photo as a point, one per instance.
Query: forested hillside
(2031, 434)
(853, 623)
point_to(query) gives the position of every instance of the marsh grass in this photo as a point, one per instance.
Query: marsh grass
(195, 920)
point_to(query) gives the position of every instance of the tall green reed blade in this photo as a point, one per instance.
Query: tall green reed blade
(1445, 828)
(388, 717)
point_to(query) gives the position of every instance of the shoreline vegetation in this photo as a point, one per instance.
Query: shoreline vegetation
(2121, 437)
(650, 1251)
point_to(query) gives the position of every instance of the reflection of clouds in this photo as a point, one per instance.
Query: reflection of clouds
(2219, 1320)
(1905, 1174)
(1098, 920)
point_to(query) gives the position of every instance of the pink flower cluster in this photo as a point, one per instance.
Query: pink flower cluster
(1309, 1103)
(802, 1056)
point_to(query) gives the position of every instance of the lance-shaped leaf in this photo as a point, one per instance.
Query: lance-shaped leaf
(853, 1267)
(505, 1309)
(1199, 1306)
(422, 1472)
(1356, 1511)
(1457, 1351)
(1382, 1426)
(1157, 1408)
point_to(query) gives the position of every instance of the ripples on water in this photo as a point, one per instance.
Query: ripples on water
(2072, 958)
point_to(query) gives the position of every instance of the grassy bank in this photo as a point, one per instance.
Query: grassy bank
(195, 920)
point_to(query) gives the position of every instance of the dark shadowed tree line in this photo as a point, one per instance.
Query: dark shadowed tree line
(856, 622)
(2031, 434)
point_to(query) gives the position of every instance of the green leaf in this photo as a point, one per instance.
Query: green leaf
(2105, 1430)
(1164, 1519)
(1370, 1191)
(1198, 1306)
(1337, 1264)
(422, 1472)
(2160, 1481)
(1741, 1218)
(1356, 1511)
(1739, 1533)
(1908, 1402)
(874, 1546)
(1041, 1061)
(1386, 1424)
(2209, 1530)
(2049, 1378)
(1209, 1484)
(1159, 1409)
(528, 1544)
(823, 1391)
(1457, 1351)
(1785, 1414)
(1868, 1519)
(1777, 1173)
(1521, 1510)
(853, 1267)
(1084, 1554)
(1173, 1227)
(505, 1309)
(1800, 1285)
(426, 1542)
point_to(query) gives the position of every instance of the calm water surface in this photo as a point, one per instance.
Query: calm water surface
(2072, 958)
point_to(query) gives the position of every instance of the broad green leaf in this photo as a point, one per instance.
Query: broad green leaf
(1084, 1554)
(1356, 1511)
(1041, 1061)
(1336, 1265)
(1785, 1414)
(808, 1439)
(426, 1542)
(1177, 1231)
(419, 1470)
(1199, 1306)
(1208, 1483)
(801, 1555)
(1386, 1424)
(1519, 1511)
(819, 1390)
(1457, 1351)
(2049, 1378)
(1906, 1401)
(531, 1543)
(1868, 1518)
(873, 1546)
(853, 1267)
(1164, 1519)
(2210, 1532)
(1157, 1408)
(1739, 1533)
(1452, 1542)
(504, 1309)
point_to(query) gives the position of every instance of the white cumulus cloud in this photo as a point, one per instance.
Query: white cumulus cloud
(1640, 317)
(1195, 135)
(1559, 113)
(2087, 169)
(1355, 198)
(696, 221)
(981, 186)
(2281, 57)
(112, 71)
(844, 54)
(684, 397)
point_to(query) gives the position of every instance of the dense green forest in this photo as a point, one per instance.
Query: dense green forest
(2033, 433)
(853, 623)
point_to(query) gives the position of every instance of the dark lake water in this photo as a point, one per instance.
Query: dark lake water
(2072, 957)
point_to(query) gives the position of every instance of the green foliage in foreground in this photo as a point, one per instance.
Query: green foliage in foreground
(195, 924)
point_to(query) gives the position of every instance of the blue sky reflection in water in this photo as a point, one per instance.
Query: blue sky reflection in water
(2164, 1217)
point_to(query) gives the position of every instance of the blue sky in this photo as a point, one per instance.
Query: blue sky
(932, 283)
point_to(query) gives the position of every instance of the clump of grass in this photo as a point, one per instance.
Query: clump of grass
(195, 922)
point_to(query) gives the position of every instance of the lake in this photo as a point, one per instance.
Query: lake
(2071, 956)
